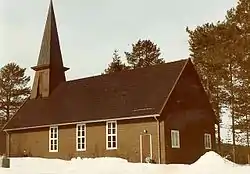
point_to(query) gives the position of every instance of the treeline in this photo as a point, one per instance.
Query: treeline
(144, 53)
(221, 53)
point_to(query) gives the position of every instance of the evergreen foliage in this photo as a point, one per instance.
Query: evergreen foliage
(221, 54)
(144, 53)
(13, 89)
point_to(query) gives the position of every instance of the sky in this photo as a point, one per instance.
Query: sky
(90, 30)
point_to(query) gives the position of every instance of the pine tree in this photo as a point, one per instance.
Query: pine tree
(239, 17)
(206, 52)
(221, 55)
(116, 65)
(144, 53)
(13, 89)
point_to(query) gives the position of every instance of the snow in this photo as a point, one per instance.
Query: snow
(209, 163)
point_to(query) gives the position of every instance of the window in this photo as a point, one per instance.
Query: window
(53, 139)
(175, 138)
(111, 135)
(80, 137)
(207, 141)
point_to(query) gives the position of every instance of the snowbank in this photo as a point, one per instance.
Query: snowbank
(210, 163)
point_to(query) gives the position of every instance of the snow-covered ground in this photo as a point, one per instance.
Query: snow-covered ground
(210, 163)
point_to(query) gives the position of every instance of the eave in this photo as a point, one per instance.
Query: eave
(84, 122)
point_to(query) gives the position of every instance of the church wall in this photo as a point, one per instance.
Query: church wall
(36, 141)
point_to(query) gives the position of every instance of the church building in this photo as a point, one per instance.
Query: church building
(161, 113)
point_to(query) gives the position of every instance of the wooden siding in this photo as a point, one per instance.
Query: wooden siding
(35, 141)
(188, 111)
(2, 143)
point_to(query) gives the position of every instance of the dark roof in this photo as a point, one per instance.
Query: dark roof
(130, 93)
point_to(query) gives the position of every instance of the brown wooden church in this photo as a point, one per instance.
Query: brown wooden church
(160, 112)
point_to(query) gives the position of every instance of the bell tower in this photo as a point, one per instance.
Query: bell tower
(49, 71)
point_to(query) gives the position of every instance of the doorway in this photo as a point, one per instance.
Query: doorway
(145, 147)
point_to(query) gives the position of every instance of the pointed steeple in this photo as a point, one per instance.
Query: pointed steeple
(50, 71)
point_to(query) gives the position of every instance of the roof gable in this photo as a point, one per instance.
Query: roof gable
(124, 94)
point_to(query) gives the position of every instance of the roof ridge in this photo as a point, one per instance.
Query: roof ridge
(122, 72)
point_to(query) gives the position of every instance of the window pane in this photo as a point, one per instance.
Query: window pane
(51, 135)
(78, 128)
(79, 140)
(208, 141)
(83, 133)
(83, 140)
(109, 131)
(83, 146)
(113, 131)
(109, 144)
(51, 142)
(55, 147)
(55, 141)
(172, 138)
(109, 138)
(175, 140)
(55, 135)
(51, 147)
(113, 125)
(114, 138)
(55, 130)
(79, 146)
(109, 125)
(205, 140)
(78, 133)
(114, 144)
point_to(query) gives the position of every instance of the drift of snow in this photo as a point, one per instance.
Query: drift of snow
(209, 163)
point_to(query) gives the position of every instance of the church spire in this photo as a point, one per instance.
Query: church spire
(50, 71)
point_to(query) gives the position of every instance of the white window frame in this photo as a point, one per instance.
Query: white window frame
(81, 136)
(175, 138)
(207, 141)
(112, 135)
(53, 138)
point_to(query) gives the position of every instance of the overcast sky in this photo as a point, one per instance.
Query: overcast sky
(90, 30)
